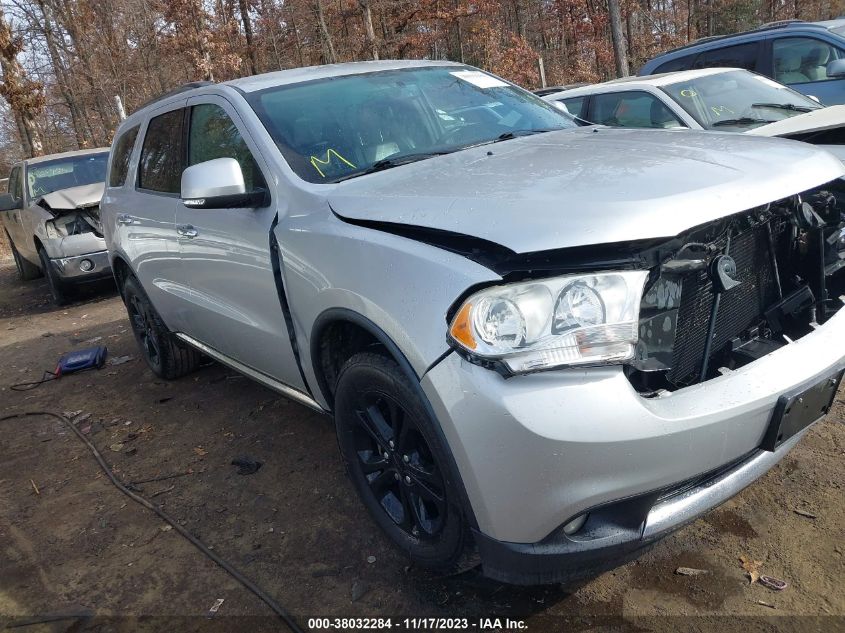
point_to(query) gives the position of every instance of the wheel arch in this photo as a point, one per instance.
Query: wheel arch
(121, 270)
(351, 332)
(374, 336)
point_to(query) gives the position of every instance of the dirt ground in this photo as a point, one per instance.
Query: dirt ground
(76, 546)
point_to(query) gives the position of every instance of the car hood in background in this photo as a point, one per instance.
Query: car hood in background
(816, 121)
(586, 186)
(81, 197)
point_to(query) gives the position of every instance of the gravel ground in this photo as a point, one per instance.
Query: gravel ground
(72, 544)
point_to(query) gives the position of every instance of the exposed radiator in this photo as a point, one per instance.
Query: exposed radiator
(741, 307)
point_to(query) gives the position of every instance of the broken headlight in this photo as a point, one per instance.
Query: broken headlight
(569, 320)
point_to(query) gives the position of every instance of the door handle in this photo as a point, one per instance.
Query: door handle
(123, 218)
(186, 230)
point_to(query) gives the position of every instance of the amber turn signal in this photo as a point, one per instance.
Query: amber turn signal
(461, 329)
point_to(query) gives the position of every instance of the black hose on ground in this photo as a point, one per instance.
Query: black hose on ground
(246, 582)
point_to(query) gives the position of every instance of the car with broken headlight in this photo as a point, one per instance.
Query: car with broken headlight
(543, 346)
(51, 216)
(717, 99)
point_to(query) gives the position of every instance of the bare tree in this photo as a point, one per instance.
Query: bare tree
(366, 9)
(25, 97)
(60, 72)
(620, 53)
(250, 45)
(328, 46)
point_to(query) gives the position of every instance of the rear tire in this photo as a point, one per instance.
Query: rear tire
(26, 270)
(60, 291)
(166, 355)
(399, 466)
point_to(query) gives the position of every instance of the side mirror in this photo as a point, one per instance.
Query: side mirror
(9, 202)
(218, 184)
(560, 105)
(836, 69)
(814, 98)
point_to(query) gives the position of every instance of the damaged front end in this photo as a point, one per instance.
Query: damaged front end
(74, 212)
(736, 289)
(72, 233)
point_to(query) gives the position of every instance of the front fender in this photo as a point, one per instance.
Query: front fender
(404, 287)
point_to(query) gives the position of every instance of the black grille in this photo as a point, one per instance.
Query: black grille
(740, 308)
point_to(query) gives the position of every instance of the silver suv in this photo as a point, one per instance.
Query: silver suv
(544, 346)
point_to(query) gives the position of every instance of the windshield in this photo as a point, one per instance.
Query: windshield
(337, 128)
(738, 100)
(63, 173)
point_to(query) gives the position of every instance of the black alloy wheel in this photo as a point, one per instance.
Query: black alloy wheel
(398, 463)
(166, 355)
(142, 326)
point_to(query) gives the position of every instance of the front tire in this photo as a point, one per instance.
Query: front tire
(398, 464)
(59, 290)
(26, 270)
(166, 355)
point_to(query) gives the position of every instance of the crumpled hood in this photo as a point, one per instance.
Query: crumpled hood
(823, 119)
(587, 186)
(75, 197)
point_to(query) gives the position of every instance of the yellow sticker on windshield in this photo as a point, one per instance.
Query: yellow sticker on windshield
(687, 92)
(315, 162)
(719, 110)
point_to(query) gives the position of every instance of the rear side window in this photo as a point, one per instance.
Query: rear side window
(575, 106)
(631, 109)
(15, 184)
(214, 135)
(681, 63)
(122, 154)
(739, 56)
(160, 168)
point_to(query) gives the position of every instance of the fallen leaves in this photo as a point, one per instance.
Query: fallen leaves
(199, 450)
(751, 567)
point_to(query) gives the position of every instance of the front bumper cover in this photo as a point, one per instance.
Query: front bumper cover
(70, 269)
(536, 451)
(618, 532)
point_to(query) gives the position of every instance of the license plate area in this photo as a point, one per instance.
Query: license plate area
(795, 412)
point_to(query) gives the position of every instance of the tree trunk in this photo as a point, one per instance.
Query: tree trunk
(368, 27)
(328, 46)
(87, 73)
(61, 74)
(617, 36)
(250, 46)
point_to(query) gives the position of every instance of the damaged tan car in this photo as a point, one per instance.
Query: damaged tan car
(51, 215)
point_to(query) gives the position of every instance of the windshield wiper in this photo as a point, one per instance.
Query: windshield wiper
(516, 133)
(392, 161)
(784, 106)
(741, 121)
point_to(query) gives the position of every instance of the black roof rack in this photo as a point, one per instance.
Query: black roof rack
(542, 92)
(179, 89)
(765, 27)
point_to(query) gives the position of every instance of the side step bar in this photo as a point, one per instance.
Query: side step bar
(275, 385)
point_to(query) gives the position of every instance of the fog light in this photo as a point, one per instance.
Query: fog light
(575, 524)
(86, 265)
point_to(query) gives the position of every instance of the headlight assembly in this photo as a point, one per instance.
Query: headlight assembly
(569, 320)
